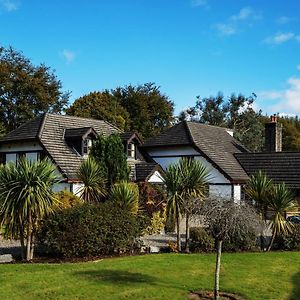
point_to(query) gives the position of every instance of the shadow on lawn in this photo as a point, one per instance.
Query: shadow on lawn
(116, 277)
(296, 287)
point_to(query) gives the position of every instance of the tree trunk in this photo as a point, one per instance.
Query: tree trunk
(32, 246)
(178, 233)
(187, 233)
(22, 240)
(272, 240)
(217, 272)
(29, 235)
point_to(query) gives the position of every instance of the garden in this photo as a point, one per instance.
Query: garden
(96, 236)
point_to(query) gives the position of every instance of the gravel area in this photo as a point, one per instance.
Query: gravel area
(9, 247)
(161, 240)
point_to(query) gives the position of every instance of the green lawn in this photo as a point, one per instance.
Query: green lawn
(162, 276)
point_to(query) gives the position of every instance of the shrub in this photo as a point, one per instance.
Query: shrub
(290, 241)
(67, 200)
(157, 223)
(201, 240)
(152, 200)
(89, 230)
(126, 196)
(238, 242)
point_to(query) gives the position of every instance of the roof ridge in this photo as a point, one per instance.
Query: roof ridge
(190, 135)
(39, 136)
(203, 124)
(84, 118)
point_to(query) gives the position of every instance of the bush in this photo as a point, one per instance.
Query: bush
(67, 200)
(89, 230)
(157, 223)
(289, 241)
(201, 240)
(240, 243)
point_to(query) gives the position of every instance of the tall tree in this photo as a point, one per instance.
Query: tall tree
(26, 196)
(150, 111)
(194, 179)
(109, 154)
(173, 182)
(282, 199)
(26, 90)
(259, 189)
(235, 112)
(100, 105)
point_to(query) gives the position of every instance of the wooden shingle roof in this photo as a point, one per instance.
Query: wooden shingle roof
(279, 166)
(213, 142)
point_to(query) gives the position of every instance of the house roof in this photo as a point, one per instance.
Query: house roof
(143, 171)
(27, 131)
(213, 142)
(128, 136)
(78, 132)
(49, 129)
(279, 166)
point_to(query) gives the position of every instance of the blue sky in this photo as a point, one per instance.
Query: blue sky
(187, 47)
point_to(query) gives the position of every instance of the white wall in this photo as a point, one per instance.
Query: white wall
(171, 155)
(76, 187)
(11, 157)
(155, 178)
(237, 190)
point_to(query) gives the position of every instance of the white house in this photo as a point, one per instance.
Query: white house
(66, 140)
(214, 146)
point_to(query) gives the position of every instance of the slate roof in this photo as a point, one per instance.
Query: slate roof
(213, 142)
(279, 166)
(49, 130)
(143, 171)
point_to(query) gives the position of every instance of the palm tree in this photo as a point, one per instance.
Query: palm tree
(26, 196)
(126, 195)
(281, 200)
(194, 179)
(91, 175)
(173, 182)
(259, 189)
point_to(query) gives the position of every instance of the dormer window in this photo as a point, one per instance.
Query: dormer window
(80, 139)
(86, 146)
(131, 150)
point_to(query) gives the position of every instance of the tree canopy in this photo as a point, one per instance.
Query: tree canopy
(101, 105)
(27, 91)
(141, 108)
(235, 112)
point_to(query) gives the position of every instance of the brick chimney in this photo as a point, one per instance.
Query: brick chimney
(273, 135)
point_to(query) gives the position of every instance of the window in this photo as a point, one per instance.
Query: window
(87, 144)
(131, 150)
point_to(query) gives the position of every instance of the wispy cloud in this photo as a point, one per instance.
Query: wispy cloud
(68, 55)
(246, 13)
(9, 5)
(285, 20)
(280, 38)
(288, 100)
(245, 17)
(225, 29)
(298, 67)
(199, 2)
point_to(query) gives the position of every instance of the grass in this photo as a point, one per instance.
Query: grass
(274, 275)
